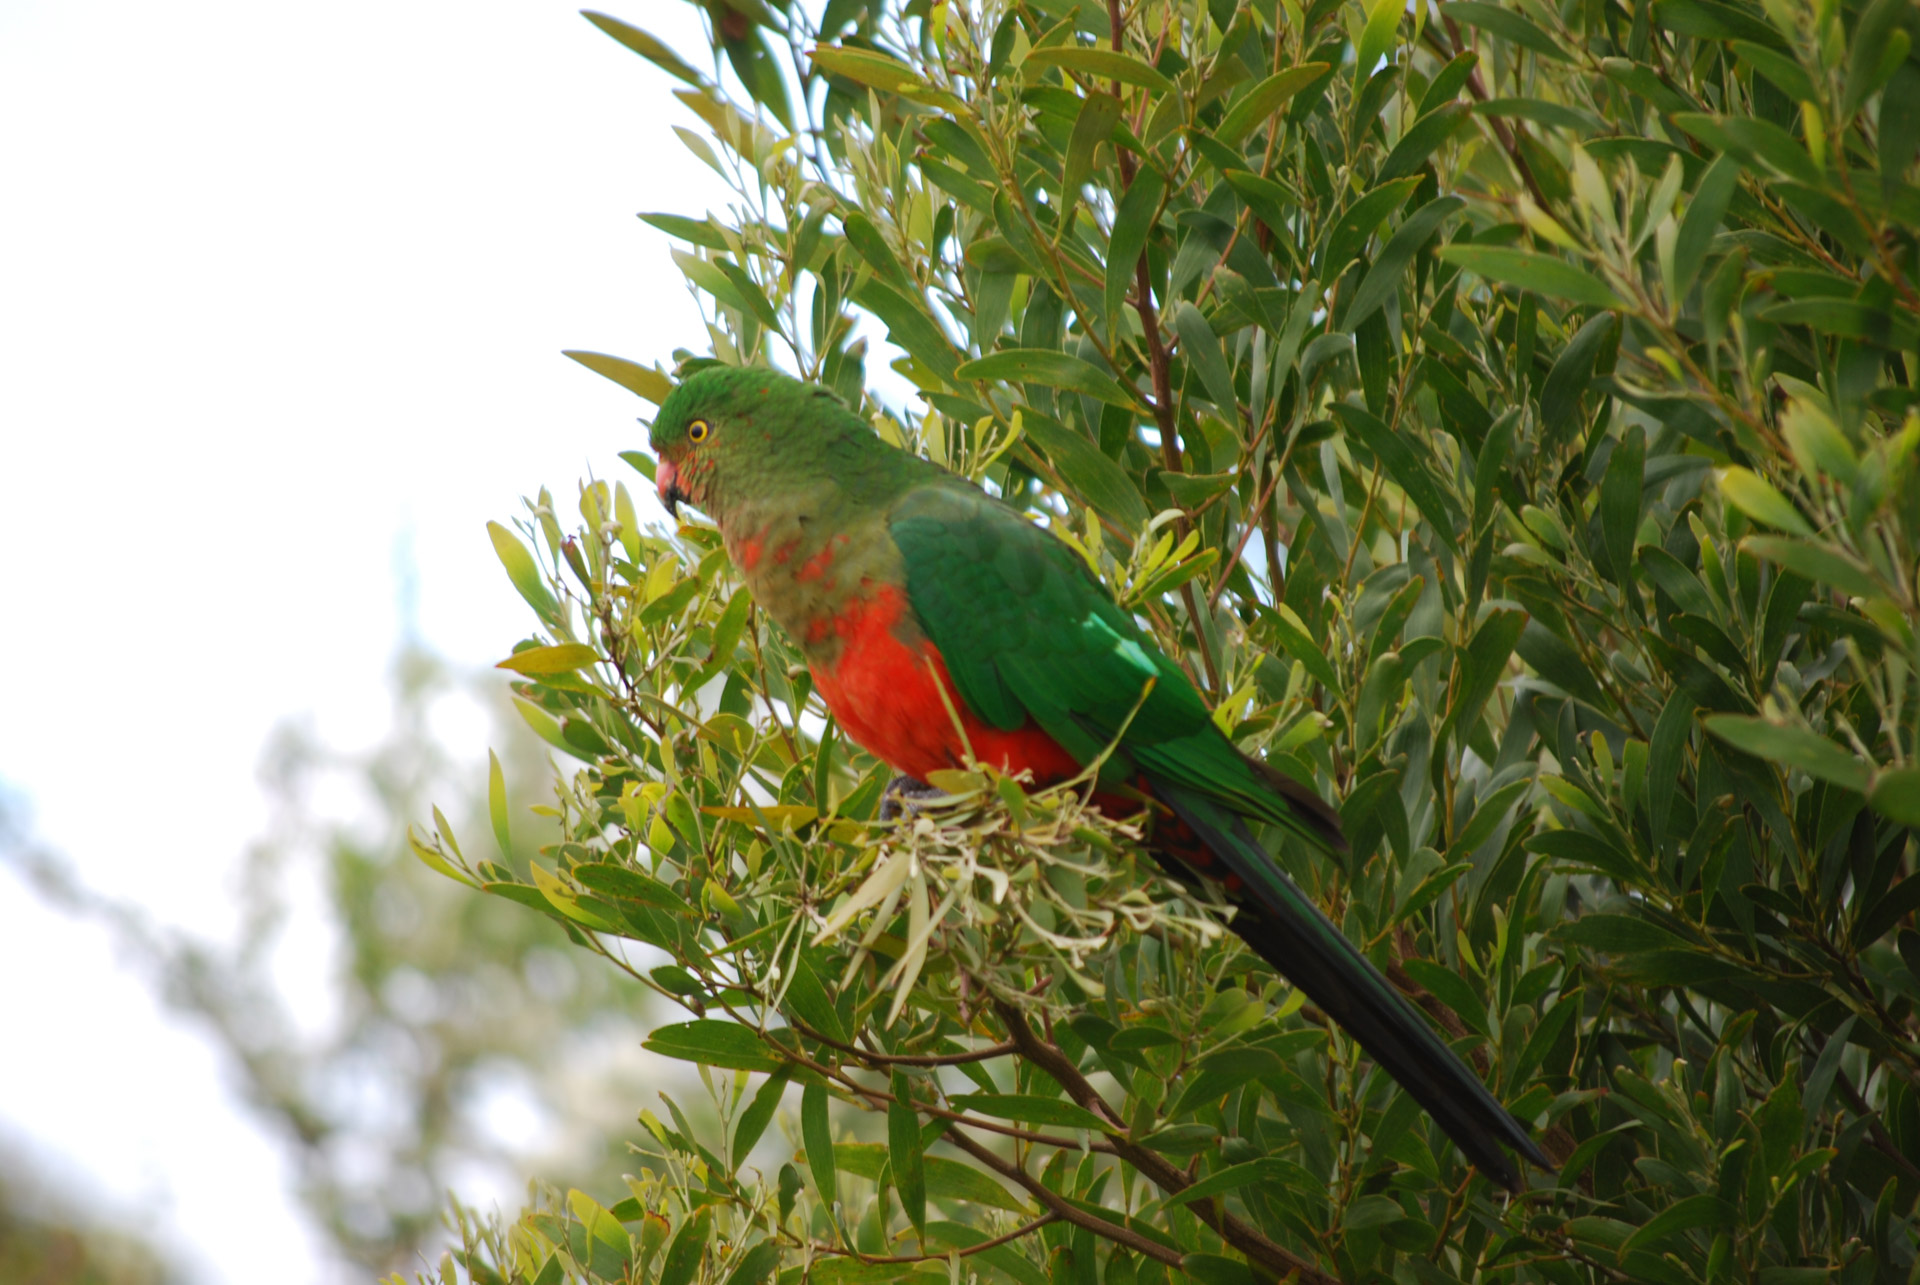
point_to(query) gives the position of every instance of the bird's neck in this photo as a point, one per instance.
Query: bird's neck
(810, 554)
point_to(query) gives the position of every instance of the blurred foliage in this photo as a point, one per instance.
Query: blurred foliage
(1508, 412)
(49, 1240)
(430, 1014)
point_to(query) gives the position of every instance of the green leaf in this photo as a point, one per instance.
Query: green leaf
(1507, 24)
(1896, 795)
(1052, 368)
(1530, 271)
(759, 1113)
(1613, 934)
(904, 1150)
(635, 378)
(1263, 1171)
(1754, 496)
(1818, 561)
(1294, 640)
(688, 1248)
(647, 46)
(497, 803)
(911, 326)
(1099, 113)
(1109, 64)
(1097, 479)
(1420, 141)
(946, 1179)
(1405, 468)
(1620, 494)
(714, 1043)
(1384, 276)
(757, 1264)
(1220, 1074)
(867, 67)
(521, 570)
(816, 1135)
(1264, 99)
(1202, 349)
(1570, 377)
(1792, 746)
(1376, 37)
(1028, 1109)
(1132, 221)
(1754, 140)
(561, 659)
(1218, 1269)
(1348, 236)
(1687, 1214)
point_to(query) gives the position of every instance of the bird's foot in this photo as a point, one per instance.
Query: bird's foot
(902, 795)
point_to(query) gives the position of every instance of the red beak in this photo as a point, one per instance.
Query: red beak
(666, 480)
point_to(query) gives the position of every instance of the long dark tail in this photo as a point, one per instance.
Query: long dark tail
(1286, 929)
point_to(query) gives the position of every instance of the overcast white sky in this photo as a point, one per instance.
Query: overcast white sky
(278, 283)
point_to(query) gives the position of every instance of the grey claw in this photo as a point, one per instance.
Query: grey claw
(901, 794)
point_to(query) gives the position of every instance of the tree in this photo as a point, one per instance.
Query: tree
(443, 1005)
(1508, 415)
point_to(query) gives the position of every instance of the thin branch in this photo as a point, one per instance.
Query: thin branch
(1156, 1168)
(905, 1059)
(1061, 1209)
(821, 1247)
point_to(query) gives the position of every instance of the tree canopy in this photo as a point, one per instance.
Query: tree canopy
(1507, 413)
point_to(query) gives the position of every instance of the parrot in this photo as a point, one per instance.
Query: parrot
(940, 625)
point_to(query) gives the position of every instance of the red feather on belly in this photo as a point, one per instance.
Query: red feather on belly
(883, 694)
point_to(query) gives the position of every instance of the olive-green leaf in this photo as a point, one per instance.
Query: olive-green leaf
(709, 1042)
(1264, 99)
(1382, 278)
(1232, 1178)
(759, 1113)
(521, 570)
(1202, 349)
(1509, 25)
(635, 378)
(1756, 497)
(1110, 64)
(1896, 795)
(817, 1136)
(1404, 467)
(1052, 368)
(561, 659)
(1132, 221)
(1532, 271)
(1821, 562)
(1029, 1109)
(904, 1150)
(1792, 746)
(688, 1248)
(1420, 140)
(646, 45)
(1350, 232)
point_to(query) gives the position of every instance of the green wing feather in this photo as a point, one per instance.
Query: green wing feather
(1028, 633)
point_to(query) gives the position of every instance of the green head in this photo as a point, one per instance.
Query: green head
(730, 435)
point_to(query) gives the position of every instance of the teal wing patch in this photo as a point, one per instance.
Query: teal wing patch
(1026, 631)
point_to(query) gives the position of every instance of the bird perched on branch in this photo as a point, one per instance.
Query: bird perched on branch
(939, 623)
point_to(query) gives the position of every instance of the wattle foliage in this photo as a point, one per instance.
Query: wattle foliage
(1509, 415)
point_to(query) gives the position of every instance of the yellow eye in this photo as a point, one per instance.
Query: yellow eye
(699, 431)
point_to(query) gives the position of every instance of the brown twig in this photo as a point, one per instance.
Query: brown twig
(1154, 1167)
(1061, 1209)
(905, 1059)
(820, 1247)
(1161, 367)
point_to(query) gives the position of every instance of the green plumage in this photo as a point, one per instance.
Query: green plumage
(1031, 639)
